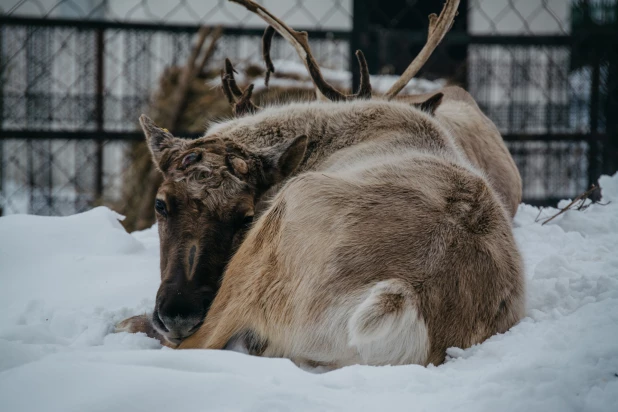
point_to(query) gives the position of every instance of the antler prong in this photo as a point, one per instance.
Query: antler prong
(300, 42)
(229, 73)
(364, 88)
(240, 101)
(438, 27)
(226, 89)
(267, 39)
(244, 105)
(433, 17)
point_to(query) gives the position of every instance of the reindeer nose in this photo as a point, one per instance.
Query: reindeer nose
(179, 318)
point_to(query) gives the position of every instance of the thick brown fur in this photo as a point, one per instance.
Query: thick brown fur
(208, 192)
(480, 140)
(382, 228)
(400, 222)
(356, 122)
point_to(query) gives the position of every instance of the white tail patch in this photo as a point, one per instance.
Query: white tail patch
(387, 328)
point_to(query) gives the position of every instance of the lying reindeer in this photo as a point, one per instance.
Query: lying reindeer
(391, 243)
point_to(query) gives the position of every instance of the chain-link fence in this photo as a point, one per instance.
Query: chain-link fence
(74, 77)
(72, 90)
(544, 71)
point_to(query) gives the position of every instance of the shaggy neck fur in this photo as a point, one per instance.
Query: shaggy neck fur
(330, 127)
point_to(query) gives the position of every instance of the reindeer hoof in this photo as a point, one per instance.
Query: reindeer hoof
(141, 323)
(135, 324)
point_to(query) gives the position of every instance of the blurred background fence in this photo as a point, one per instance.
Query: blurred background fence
(75, 75)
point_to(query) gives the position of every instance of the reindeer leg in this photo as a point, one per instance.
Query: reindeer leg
(141, 323)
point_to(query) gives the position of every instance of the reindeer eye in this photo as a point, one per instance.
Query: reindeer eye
(247, 221)
(160, 207)
(190, 159)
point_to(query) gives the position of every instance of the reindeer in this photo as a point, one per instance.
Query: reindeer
(387, 238)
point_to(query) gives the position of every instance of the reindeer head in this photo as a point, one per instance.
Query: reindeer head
(211, 185)
(203, 207)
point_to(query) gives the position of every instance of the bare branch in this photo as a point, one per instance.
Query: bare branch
(438, 27)
(215, 35)
(581, 199)
(538, 216)
(195, 51)
(187, 74)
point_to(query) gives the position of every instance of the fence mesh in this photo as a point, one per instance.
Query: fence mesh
(74, 77)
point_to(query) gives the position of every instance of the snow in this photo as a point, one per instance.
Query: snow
(297, 76)
(65, 282)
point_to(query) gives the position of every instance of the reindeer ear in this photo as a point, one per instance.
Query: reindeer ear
(283, 159)
(159, 141)
(291, 154)
(430, 105)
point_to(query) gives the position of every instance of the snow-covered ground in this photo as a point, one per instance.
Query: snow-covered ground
(65, 281)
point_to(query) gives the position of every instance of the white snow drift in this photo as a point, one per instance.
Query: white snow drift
(64, 283)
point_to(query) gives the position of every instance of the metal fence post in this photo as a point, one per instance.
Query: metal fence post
(100, 85)
(358, 38)
(593, 149)
(2, 76)
(610, 148)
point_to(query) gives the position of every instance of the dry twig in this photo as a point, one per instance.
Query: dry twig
(579, 203)
(191, 69)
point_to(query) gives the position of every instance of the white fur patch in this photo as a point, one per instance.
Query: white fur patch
(384, 332)
(237, 344)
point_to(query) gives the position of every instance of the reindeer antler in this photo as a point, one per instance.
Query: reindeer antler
(300, 41)
(267, 39)
(239, 100)
(438, 27)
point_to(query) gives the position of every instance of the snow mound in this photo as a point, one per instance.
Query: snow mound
(64, 283)
(96, 232)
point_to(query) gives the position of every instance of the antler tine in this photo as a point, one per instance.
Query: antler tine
(267, 39)
(438, 27)
(240, 101)
(244, 105)
(227, 89)
(229, 77)
(364, 88)
(301, 43)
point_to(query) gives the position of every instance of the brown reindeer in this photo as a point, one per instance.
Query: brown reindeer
(215, 185)
(391, 252)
